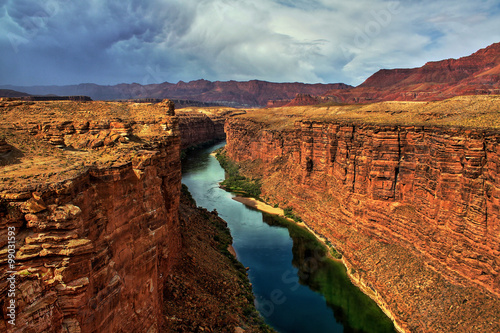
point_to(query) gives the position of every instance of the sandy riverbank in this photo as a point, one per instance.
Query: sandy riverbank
(259, 205)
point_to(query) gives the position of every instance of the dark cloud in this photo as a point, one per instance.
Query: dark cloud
(108, 42)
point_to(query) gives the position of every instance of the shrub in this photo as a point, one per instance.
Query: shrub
(235, 182)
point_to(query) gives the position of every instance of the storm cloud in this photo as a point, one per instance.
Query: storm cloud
(110, 42)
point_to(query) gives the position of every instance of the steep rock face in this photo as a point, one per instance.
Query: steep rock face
(92, 251)
(209, 290)
(90, 203)
(414, 210)
(197, 128)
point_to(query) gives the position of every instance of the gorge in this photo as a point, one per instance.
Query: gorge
(408, 192)
(105, 239)
(98, 234)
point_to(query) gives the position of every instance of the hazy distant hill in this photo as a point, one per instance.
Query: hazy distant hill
(12, 93)
(231, 93)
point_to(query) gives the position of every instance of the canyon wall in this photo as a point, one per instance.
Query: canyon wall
(93, 237)
(92, 250)
(413, 209)
(198, 128)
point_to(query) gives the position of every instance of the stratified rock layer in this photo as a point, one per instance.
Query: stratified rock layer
(92, 192)
(91, 250)
(199, 128)
(414, 209)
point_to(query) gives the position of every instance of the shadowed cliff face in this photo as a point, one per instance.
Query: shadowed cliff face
(414, 209)
(202, 125)
(91, 192)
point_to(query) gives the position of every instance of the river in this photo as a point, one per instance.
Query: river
(296, 288)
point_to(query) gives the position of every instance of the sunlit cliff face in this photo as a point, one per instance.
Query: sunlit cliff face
(401, 189)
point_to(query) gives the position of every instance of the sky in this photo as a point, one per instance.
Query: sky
(59, 42)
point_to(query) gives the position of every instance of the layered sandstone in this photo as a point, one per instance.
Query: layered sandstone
(413, 208)
(203, 125)
(92, 192)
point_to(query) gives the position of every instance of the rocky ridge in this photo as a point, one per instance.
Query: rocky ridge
(413, 208)
(477, 74)
(252, 93)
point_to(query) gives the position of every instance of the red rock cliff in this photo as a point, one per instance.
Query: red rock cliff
(84, 243)
(414, 209)
(102, 243)
(198, 127)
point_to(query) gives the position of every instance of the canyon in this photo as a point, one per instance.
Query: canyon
(400, 178)
(201, 126)
(407, 192)
(105, 238)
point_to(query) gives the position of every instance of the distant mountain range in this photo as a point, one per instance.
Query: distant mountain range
(12, 93)
(476, 74)
(230, 93)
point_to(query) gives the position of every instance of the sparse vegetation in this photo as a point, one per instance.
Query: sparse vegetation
(234, 182)
(288, 212)
(462, 111)
(335, 254)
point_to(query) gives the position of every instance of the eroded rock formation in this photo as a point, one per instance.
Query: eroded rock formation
(93, 201)
(414, 209)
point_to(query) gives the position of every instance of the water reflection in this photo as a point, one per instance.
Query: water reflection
(297, 289)
(354, 310)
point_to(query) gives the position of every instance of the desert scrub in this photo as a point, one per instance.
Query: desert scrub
(288, 212)
(335, 254)
(235, 182)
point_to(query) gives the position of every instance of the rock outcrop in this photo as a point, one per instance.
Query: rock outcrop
(92, 235)
(4, 147)
(414, 209)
